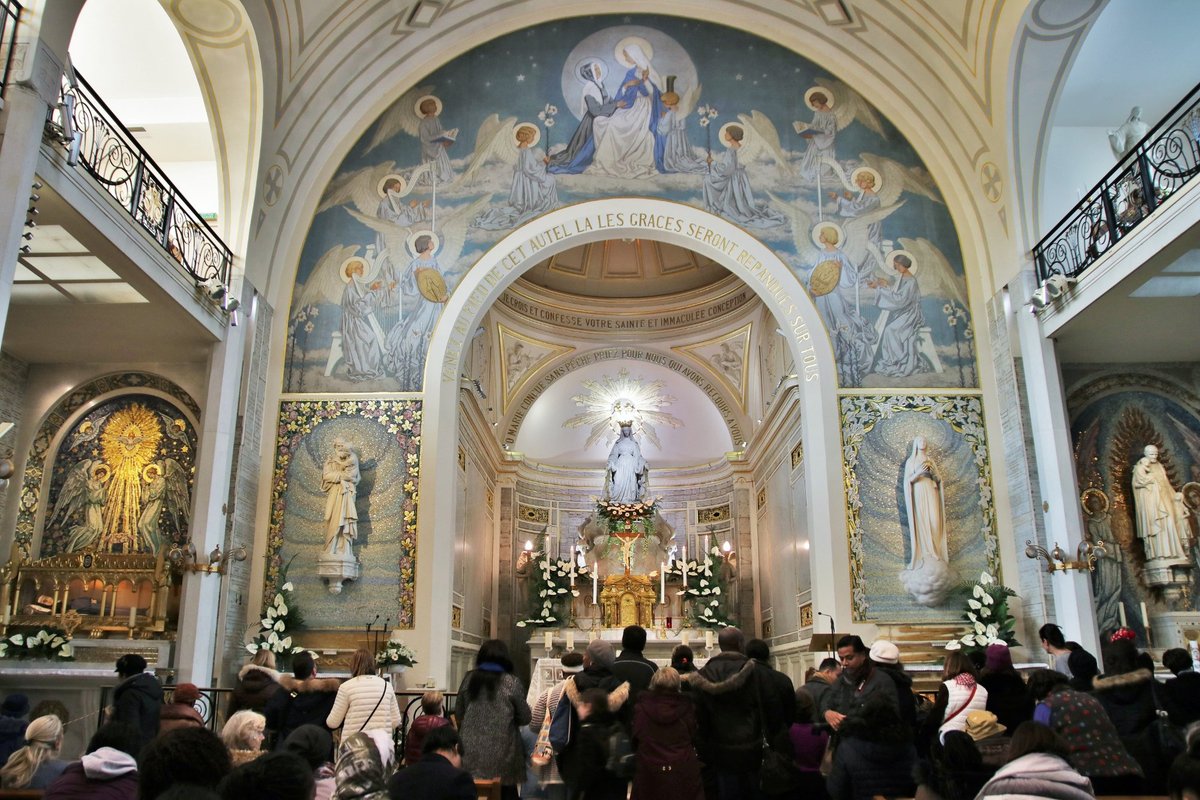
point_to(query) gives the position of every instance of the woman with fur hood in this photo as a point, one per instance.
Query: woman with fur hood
(1037, 768)
(257, 682)
(1127, 694)
(664, 736)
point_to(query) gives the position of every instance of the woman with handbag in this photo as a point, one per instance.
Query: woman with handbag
(490, 709)
(545, 766)
(664, 733)
(365, 702)
(959, 695)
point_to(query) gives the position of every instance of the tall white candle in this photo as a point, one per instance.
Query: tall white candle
(570, 641)
(1121, 612)
(595, 582)
(132, 615)
(7, 615)
(708, 640)
(548, 640)
(1145, 617)
(571, 572)
(683, 636)
(662, 584)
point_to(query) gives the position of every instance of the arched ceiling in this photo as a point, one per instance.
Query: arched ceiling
(626, 268)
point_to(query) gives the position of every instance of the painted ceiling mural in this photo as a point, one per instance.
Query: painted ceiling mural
(654, 106)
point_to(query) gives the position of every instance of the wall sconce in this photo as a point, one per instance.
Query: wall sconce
(727, 548)
(526, 555)
(1056, 559)
(184, 559)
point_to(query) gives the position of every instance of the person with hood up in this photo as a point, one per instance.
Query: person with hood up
(1037, 768)
(729, 707)
(1127, 693)
(664, 736)
(257, 683)
(314, 744)
(14, 718)
(108, 771)
(138, 698)
(1007, 696)
(181, 711)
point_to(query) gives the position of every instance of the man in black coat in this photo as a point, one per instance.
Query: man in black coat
(859, 682)
(729, 703)
(779, 708)
(301, 700)
(1181, 694)
(439, 774)
(631, 665)
(137, 699)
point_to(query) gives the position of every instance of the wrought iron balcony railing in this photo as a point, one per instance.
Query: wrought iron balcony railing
(113, 157)
(1159, 165)
(10, 15)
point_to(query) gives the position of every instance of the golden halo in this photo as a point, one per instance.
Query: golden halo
(915, 264)
(148, 469)
(619, 50)
(830, 99)
(412, 242)
(867, 171)
(537, 133)
(1093, 493)
(820, 226)
(721, 132)
(1191, 495)
(390, 176)
(101, 472)
(437, 100)
(344, 270)
(592, 60)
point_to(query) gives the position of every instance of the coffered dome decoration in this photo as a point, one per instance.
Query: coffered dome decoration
(626, 268)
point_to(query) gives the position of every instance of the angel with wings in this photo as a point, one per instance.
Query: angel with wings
(835, 105)
(903, 350)
(533, 191)
(166, 490)
(418, 113)
(346, 279)
(676, 154)
(727, 189)
(82, 496)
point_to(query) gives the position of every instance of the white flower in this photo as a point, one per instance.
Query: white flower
(551, 619)
(279, 626)
(66, 651)
(986, 579)
(975, 604)
(17, 639)
(978, 591)
(272, 613)
(979, 627)
(268, 623)
(252, 647)
(992, 631)
(287, 587)
(549, 123)
(521, 624)
(988, 599)
(542, 593)
(971, 616)
(954, 645)
(273, 638)
(715, 602)
(703, 582)
(57, 641)
(279, 601)
(716, 590)
(985, 612)
(287, 642)
(282, 609)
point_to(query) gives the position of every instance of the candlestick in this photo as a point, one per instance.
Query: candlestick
(7, 615)
(132, 616)
(662, 584)
(595, 582)
(570, 641)
(708, 640)
(571, 572)
(683, 636)
(1121, 612)
(548, 640)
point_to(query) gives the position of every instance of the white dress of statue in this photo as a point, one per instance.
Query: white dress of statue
(928, 577)
(339, 480)
(1132, 131)
(627, 470)
(1161, 515)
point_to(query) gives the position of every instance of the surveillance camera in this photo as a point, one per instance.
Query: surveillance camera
(217, 291)
(232, 304)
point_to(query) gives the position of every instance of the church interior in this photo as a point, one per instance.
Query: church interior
(412, 325)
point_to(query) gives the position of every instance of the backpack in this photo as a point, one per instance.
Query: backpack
(562, 724)
(621, 760)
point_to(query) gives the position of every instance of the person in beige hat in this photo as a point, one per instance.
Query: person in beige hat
(985, 728)
(886, 656)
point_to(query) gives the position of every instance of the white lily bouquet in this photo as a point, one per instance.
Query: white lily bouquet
(48, 643)
(276, 627)
(987, 613)
(396, 653)
(704, 587)
(552, 581)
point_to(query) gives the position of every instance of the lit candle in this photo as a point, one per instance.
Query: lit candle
(1121, 611)
(548, 640)
(662, 584)
(571, 572)
(708, 640)
(595, 582)
(1145, 617)
(570, 641)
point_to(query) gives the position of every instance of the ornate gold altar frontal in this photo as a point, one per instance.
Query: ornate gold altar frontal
(628, 600)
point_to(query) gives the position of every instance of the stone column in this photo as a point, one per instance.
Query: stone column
(1051, 433)
(201, 600)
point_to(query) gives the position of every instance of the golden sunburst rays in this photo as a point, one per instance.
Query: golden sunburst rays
(128, 445)
(611, 401)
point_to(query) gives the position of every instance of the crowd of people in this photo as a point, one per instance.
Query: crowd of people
(620, 726)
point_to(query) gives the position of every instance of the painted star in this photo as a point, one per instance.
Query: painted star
(520, 79)
(737, 77)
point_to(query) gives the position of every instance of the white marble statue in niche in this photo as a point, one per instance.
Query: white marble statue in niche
(928, 577)
(339, 480)
(1121, 140)
(1160, 512)
(628, 473)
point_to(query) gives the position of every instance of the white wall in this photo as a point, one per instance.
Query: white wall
(1077, 158)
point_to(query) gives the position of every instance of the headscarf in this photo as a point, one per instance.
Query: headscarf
(360, 774)
(312, 743)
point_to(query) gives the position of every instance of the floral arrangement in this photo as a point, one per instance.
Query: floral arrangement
(621, 512)
(987, 611)
(282, 616)
(705, 587)
(1122, 635)
(550, 582)
(49, 643)
(396, 653)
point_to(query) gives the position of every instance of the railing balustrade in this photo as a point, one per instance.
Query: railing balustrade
(1156, 168)
(115, 159)
(10, 16)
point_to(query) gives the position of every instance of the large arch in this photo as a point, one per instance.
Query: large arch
(711, 236)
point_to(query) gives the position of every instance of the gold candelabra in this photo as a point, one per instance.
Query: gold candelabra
(1058, 561)
(184, 559)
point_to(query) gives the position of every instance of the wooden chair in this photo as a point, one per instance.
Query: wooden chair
(487, 789)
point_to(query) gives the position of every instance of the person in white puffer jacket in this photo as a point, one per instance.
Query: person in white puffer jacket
(366, 702)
